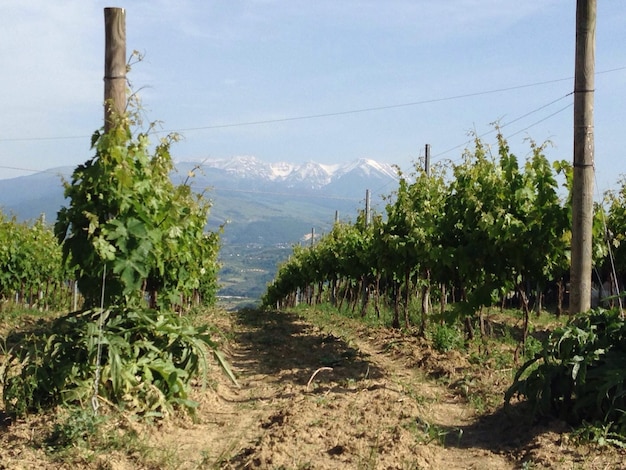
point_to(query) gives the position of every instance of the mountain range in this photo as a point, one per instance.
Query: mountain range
(264, 208)
(253, 173)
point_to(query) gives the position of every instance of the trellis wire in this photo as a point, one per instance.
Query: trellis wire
(611, 260)
(94, 400)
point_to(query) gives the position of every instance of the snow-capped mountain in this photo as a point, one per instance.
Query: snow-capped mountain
(368, 167)
(309, 175)
(225, 180)
(264, 208)
(246, 167)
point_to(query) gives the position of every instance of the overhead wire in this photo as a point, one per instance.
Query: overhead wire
(30, 170)
(378, 191)
(329, 114)
(360, 110)
(502, 126)
(467, 142)
(386, 107)
(541, 120)
(370, 109)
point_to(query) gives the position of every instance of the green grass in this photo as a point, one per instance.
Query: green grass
(77, 436)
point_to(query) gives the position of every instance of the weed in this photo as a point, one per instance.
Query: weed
(477, 401)
(532, 347)
(220, 461)
(80, 428)
(579, 373)
(409, 390)
(322, 400)
(348, 383)
(369, 462)
(600, 434)
(446, 337)
(426, 432)
(148, 359)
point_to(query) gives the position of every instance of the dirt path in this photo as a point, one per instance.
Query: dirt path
(314, 399)
(341, 397)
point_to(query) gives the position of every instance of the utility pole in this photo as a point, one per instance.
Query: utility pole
(427, 159)
(114, 64)
(582, 197)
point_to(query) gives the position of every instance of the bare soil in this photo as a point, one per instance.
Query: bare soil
(329, 397)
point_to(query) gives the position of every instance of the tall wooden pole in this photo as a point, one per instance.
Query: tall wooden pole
(114, 64)
(582, 197)
(368, 215)
(427, 159)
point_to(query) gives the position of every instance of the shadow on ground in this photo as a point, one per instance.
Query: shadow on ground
(511, 429)
(281, 344)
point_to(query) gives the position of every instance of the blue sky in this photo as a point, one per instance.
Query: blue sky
(427, 71)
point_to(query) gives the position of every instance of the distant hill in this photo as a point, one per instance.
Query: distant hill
(266, 207)
(27, 197)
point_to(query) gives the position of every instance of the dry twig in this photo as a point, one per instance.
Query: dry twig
(315, 373)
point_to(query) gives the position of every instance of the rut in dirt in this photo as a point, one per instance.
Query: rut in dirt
(282, 345)
(276, 356)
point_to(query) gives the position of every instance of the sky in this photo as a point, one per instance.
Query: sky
(329, 81)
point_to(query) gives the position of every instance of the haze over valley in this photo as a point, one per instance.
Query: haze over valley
(264, 208)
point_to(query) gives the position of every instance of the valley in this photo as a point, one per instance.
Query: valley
(263, 209)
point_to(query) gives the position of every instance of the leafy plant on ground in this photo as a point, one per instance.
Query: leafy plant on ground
(78, 437)
(76, 430)
(446, 337)
(147, 360)
(580, 375)
(130, 236)
(427, 432)
(599, 434)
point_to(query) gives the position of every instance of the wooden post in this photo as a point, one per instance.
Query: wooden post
(367, 208)
(427, 159)
(74, 296)
(114, 64)
(582, 197)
